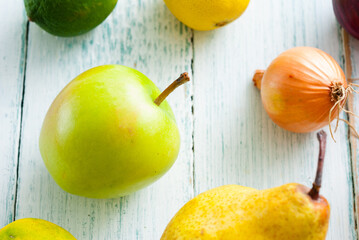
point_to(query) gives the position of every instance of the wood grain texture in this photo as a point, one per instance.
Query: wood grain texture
(12, 60)
(140, 34)
(235, 141)
(351, 45)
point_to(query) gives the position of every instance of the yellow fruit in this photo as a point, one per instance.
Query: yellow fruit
(34, 229)
(234, 212)
(206, 15)
(291, 211)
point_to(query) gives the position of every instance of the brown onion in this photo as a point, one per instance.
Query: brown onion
(303, 89)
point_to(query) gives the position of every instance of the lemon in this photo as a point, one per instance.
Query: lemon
(206, 15)
(34, 229)
(67, 18)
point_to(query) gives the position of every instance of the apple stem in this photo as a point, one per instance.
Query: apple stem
(178, 82)
(314, 192)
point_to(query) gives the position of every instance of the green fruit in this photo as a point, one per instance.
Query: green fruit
(104, 137)
(68, 17)
(34, 229)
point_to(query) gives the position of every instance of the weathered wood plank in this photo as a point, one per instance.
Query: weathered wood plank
(235, 141)
(351, 45)
(140, 34)
(12, 62)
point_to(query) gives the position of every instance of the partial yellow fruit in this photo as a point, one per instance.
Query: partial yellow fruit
(234, 212)
(206, 15)
(34, 229)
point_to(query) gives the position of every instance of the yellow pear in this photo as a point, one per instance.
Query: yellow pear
(288, 212)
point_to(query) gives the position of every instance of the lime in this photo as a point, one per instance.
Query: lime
(68, 17)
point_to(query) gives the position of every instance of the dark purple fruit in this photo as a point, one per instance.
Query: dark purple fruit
(347, 13)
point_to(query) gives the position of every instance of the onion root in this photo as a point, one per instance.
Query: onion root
(339, 94)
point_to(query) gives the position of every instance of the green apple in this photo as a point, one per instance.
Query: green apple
(34, 229)
(110, 132)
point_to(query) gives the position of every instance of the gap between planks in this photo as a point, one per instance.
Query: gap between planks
(193, 118)
(22, 97)
(352, 138)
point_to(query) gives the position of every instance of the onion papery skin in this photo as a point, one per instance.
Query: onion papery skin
(296, 89)
(347, 13)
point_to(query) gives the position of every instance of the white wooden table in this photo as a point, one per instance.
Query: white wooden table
(227, 138)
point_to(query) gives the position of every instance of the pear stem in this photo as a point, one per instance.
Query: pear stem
(178, 82)
(314, 192)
